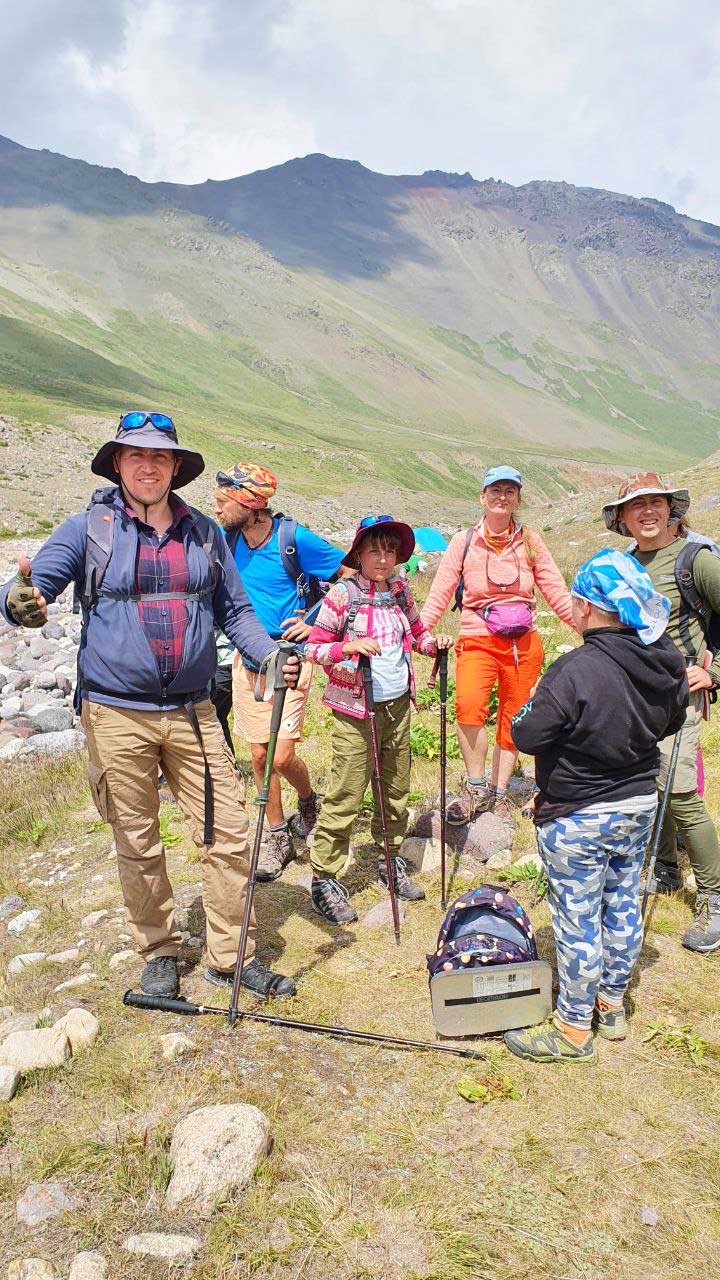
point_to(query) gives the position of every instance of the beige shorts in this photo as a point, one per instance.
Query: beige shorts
(252, 719)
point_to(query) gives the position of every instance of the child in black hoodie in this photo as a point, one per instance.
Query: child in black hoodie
(593, 725)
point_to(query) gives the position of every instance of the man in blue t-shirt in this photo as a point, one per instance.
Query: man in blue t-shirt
(253, 532)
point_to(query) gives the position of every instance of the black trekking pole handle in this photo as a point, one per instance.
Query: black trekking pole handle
(285, 650)
(659, 820)
(370, 702)
(443, 656)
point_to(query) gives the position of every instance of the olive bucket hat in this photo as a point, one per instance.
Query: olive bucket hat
(643, 485)
(142, 430)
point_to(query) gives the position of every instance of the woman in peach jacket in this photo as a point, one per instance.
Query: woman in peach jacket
(500, 564)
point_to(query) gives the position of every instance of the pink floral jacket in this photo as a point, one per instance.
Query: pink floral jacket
(324, 645)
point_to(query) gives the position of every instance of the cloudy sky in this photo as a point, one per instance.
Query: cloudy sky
(623, 94)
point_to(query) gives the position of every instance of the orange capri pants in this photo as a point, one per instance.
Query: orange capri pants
(483, 662)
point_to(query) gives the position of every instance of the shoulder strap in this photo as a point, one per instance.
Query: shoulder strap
(98, 550)
(460, 588)
(691, 602)
(355, 598)
(287, 534)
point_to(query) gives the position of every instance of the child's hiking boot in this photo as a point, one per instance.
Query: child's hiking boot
(308, 813)
(402, 884)
(275, 855)
(257, 977)
(704, 932)
(503, 809)
(330, 899)
(472, 800)
(610, 1023)
(160, 977)
(547, 1043)
(666, 878)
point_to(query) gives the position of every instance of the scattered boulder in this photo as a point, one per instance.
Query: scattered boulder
(168, 1246)
(18, 1022)
(35, 1050)
(93, 919)
(31, 1269)
(480, 839)
(24, 961)
(88, 1266)
(26, 920)
(176, 1045)
(51, 719)
(500, 860)
(422, 853)
(81, 981)
(214, 1150)
(51, 744)
(121, 957)
(64, 957)
(41, 1201)
(9, 1078)
(381, 914)
(81, 1028)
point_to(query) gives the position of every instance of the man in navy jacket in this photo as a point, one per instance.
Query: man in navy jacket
(146, 660)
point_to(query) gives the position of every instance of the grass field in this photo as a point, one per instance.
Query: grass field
(380, 1170)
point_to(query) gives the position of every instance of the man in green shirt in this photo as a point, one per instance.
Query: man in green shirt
(651, 512)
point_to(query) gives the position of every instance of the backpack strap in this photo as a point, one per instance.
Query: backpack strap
(355, 597)
(460, 588)
(691, 602)
(98, 550)
(287, 535)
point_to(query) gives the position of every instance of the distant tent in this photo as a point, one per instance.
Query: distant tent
(429, 539)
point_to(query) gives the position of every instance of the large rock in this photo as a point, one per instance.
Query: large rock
(88, 1266)
(170, 1247)
(422, 853)
(479, 840)
(215, 1150)
(12, 749)
(25, 961)
(18, 1022)
(94, 918)
(51, 719)
(31, 1269)
(26, 920)
(51, 744)
(81, 1028)
(41, 1201)
(35, 1050)
(9, 1077)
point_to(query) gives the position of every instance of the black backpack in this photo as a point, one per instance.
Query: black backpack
(691, 602)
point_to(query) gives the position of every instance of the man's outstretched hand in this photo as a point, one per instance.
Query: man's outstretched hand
(25, 602)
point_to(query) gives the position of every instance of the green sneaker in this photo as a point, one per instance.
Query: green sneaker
(610, 1023)
(547, 1043)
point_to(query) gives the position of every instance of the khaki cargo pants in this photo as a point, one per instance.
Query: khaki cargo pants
(126, 747)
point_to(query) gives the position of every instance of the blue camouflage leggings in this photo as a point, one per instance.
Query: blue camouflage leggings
(593, 860)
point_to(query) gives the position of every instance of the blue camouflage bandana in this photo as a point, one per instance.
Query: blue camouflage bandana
(614, 581)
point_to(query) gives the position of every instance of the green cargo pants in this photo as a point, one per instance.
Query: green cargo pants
(686, 815)
(351, 770)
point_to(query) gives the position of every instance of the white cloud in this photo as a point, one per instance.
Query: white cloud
(623, 95)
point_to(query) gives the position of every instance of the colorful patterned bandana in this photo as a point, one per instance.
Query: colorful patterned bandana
(616, 583)
(250, 485)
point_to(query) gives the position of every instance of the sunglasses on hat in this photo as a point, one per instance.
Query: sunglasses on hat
(367, 522)
(136, 419)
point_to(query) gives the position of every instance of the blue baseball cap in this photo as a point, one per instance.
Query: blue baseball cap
(502, 473)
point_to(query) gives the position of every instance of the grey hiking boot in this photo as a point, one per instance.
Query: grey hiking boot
(160, 977)
(402, 884)
(471, 801)
(275, 855)
(704, 933)
(257, 977)
(666, 878)
(330, 900)
(308, 813)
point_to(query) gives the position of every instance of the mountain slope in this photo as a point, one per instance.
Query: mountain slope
(418, 322)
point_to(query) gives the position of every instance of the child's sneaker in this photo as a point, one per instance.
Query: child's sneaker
(471, 801)
(547, 1043)
(404, 887)
(330, 900)
(610, 1023)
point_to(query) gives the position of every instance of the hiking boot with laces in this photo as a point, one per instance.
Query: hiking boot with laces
(308, 813)
(503, 809)
(330, 900)
(257, 977)
(666, 878)
(275, 855)
(547, 1043)
(404, 887)
(704, 932)
(471, 801)
(610, 1023)
(160, 977)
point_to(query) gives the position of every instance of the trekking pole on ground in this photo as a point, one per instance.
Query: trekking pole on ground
(285, 650)
(441, 666)
(367, 681)
(659, 819)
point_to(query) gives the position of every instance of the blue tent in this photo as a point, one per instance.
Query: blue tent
(429, 539)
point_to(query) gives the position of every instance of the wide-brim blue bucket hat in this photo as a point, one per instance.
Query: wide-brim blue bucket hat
(148, 436)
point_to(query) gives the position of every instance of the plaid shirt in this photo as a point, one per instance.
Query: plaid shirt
(162, 566)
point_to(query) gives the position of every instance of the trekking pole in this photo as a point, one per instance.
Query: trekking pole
(659, 819)
(441, 666)
(285, 649)
(367, 681)
(165, 1004)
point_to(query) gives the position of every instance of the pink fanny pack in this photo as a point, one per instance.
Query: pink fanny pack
(508, 619)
